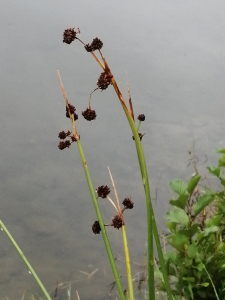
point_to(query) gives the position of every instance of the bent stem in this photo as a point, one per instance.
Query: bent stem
(25, 260)
(95, 202)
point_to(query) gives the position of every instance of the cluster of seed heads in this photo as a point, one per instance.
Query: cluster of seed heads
(95, 45)
(67, 143)
(117, 221)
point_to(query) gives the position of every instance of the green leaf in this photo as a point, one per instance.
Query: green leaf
(172, 226)
(209, 230)
(178, 186)
(190, 232)
(215, 221)
(178, 241)
(220, 150)
(205, 284)
(214, 171)
(221, 247)
(202, 202)
(177, 215)
(193, 182)
(192, 250)
(180, 202)
(222, 161)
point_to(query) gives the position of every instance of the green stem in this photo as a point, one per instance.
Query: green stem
(151, 223)
(25, 260)
(128, 266)
(101, 223)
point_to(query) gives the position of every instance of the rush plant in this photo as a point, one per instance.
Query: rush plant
(106, 79)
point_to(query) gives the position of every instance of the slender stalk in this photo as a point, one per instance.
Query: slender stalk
(99, 216)
(25, 260)
(92, 192)
(125, 244)
(128, 266)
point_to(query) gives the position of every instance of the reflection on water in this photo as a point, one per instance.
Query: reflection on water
(174, 55)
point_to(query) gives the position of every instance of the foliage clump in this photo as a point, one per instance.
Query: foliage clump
(196, 262)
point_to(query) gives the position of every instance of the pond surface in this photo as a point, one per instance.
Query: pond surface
(174, 55)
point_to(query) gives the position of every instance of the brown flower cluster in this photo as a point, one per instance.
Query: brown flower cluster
(103, 191)
(95, 45)
(67, 143)
(89, 114)
(141, 117)
(72, 111)
(104, 80)
(69, 35)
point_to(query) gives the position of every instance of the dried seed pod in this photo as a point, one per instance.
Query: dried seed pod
(103, 191)
(96, 44)
(128, 203)
(69, 35)
(89, 114)
(88, 48)
(140, 136)
(96, 227)
(104, 80)
(117, 222)
(141, 117)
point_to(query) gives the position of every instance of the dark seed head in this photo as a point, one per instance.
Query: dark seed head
(89, 114)
(73, 139)
(72, 111)
(88, 48)
(104, 80)
(96, 44)
(69, 35)
(62, 145)
(140, 136)
(103, 191)
(117, 222)
(96, 227)
(62, 135)
(141, 117)
(128, 203)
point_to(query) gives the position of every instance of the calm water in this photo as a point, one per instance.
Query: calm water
(174, 54)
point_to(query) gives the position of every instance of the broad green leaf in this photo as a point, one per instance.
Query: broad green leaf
(202, 202)
(180, 202)
(190, 232)
(178, 186)
(193, 182)
(220, 150)
(214, 171)
(192, 250)
(177, 215)
(178, 241)
(172, 226)
(209, 230)
(215, 221)
(222, 161)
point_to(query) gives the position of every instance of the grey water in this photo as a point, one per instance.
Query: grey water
(174, 55)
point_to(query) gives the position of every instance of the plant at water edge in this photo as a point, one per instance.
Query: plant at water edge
(196, 224)
(106, 78)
